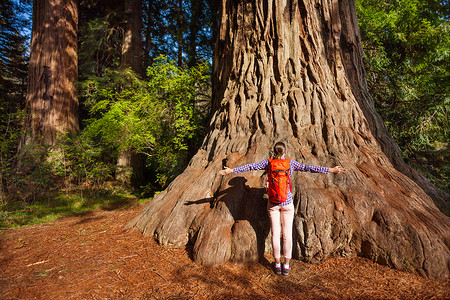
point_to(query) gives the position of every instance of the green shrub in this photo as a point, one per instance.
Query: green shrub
(160, 117)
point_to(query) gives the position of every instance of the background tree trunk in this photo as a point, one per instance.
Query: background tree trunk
(179, 32)
(130, 166)
(194, 27)
(132, 47)
(292, 71)
(53, 71)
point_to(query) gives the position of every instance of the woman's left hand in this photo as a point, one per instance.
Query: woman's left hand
(226, 171)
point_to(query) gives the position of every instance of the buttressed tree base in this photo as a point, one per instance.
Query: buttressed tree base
(292, 71)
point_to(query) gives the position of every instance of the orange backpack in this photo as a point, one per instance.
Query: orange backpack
(278, 180)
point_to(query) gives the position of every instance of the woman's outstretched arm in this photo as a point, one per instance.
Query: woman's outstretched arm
(245, 168)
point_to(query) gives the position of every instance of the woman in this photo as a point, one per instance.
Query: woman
(283, 209)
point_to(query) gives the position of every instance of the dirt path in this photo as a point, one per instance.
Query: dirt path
(92, 257)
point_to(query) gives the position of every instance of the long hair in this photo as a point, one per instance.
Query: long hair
(279, 149)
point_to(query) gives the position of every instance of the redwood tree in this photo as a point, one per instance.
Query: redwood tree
(53, 70)
(292, 71)
(132, 48)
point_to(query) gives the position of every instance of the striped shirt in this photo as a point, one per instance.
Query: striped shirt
(294, 166)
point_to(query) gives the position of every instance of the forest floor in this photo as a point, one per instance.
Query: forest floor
(91, 256)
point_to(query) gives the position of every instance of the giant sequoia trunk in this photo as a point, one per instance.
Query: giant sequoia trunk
(292, 71)
(53, 71)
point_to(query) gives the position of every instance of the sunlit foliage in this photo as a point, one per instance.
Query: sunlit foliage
(158, 118)
(407, 57)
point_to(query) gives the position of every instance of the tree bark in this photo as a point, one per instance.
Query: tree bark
(53, 70)
(292, 71)
(132, 47)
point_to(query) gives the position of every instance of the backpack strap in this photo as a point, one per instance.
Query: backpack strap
(287, 174)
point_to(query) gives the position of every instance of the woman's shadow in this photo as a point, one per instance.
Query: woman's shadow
(244, 203)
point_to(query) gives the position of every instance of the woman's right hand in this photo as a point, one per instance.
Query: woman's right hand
(338, 170)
